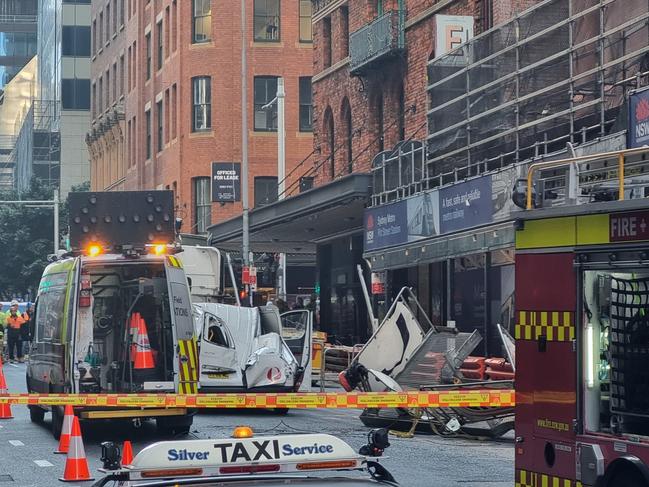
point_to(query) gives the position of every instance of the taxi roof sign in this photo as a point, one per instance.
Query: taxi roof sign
(284, 449)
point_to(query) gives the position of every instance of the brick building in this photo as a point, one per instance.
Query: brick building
(166, 91)
(368, 98)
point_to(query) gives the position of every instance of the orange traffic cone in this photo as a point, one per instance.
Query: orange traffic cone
(143, 354)
(66, 430)
(5, 408)
(76, 465)
(135, 318)
(127, 453)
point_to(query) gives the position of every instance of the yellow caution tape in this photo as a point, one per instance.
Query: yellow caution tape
(331, 400)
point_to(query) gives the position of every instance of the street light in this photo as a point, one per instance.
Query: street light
(280, 99)
(244, 141)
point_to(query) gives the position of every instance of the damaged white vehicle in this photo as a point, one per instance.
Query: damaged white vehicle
(253, 349)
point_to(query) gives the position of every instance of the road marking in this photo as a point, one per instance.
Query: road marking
(43, 463)
(16, 443)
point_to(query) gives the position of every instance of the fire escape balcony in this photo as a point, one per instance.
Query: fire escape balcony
(381, 39)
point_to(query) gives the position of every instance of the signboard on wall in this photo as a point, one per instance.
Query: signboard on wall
(451, 31)
(638, 133)
(458, 207)
(465, 205)
(226, 182)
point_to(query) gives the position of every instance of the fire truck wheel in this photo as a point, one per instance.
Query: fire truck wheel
(628, 477)
(57, 422)
(36, 414)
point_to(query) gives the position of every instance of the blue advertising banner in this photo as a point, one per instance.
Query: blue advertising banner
(386, 226)
(638, 133)
(465, 205)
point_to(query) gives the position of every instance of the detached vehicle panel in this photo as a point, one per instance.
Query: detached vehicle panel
(244, 349)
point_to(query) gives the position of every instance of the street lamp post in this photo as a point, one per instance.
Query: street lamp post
(245, 250)
(280, 99)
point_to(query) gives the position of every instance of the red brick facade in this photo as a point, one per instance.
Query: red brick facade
(186, 154)
(395, 93)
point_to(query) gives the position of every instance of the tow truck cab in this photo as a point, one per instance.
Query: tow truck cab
(114, 316)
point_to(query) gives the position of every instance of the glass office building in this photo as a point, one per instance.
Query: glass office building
(18, 36)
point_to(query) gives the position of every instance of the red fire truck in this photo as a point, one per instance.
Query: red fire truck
(582, 345)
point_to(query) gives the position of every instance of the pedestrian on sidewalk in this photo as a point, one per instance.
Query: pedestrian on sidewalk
(26, 333)
(14, 322)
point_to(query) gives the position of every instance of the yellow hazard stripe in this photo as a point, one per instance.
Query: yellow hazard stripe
(174, 262)
(525, 478)
(188, 365)
(332, 400)
(556, 326)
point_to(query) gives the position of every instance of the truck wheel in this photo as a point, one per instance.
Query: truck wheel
(57, 422)
(629, 477)
(174, 426)
(36, 414)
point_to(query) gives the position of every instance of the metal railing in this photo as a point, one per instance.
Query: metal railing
(590, 176)
(381, 37)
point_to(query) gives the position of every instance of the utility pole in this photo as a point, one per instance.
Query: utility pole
(56, 222)
(281, 171)
(245, 250)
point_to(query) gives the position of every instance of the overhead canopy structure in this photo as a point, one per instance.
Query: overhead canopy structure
(297, 224)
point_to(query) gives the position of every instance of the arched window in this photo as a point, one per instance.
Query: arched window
(347, 130)
(330, 140)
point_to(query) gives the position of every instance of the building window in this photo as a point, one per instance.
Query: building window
(266, 20)
(201, 21)
(94, 36)
(148, 56)
(167, 115)
(344, 27)
(167, 34)
(94, 100)
(75, 41)
(100, 38)
(107, 23)
(265, 92)
(121, 12)
(75, 94)
(114, 16)
(107, 76)
(174, 112)
(306, 105)
(306, 183)
(115, 82)
(306, 33)
(326, 40)
(160, 45)
(265, 190)
(147, 118)
(100, 93)
(121, 75)
(174, 25)
(202, 204)
(202, 103)
(160, 127)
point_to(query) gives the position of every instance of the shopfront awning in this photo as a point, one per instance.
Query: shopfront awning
(295, 225)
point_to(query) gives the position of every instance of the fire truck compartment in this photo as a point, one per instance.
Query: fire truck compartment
(616, 350)
(107, 332)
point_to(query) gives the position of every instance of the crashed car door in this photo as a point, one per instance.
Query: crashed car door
(183, 326)
(218, 356)
(297, 331)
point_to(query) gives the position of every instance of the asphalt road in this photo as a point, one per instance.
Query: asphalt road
(27, 458)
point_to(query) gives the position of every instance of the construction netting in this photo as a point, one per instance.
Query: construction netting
(556, 73)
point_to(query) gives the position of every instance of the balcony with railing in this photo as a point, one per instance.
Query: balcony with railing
(377, 41)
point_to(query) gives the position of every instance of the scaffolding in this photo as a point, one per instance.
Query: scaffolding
(557, 73)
